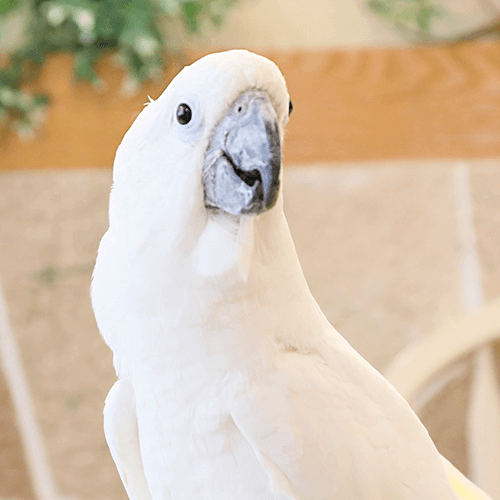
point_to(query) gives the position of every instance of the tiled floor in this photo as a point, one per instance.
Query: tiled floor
(379, 244)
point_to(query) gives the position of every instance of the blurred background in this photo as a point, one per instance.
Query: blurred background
(392, 192)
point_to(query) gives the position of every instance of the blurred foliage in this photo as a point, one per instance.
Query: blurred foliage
(7, 5)
(411, 16)
(135, 29)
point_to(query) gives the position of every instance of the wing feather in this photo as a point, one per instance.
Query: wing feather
(120, 429)
(463, 486)
(319, 433)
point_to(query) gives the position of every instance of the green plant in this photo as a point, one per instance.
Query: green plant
(411, 16)
(414, 19)
(135, 29)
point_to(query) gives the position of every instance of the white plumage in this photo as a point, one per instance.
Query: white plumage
(231, 382)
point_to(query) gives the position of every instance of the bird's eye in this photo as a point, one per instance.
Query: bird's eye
(290, 107)
(184, 114)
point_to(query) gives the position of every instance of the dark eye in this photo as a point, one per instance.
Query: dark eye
(290, 107)
(184, 114)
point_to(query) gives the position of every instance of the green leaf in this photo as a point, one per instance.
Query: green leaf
(378, 7)
(64, 37)
(217, 20)
(33, 53)
(12, 75)
(138, 23)
(41, 99)
(72, 4)
(191, 12)
(416, 15)
(84, 67)
(7, 5)
(425, 17)
(110, 20)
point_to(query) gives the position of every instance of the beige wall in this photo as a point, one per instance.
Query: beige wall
(300, 24)
(322, 24)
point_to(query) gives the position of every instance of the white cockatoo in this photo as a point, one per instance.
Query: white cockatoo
(232, 385)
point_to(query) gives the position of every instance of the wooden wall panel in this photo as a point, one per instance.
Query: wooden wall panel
(360, 105)
(396, 103)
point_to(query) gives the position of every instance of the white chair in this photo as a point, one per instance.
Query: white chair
(417, 365)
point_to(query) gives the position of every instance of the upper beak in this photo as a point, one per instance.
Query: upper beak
(243, 158)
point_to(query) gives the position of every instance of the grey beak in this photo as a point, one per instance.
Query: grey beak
(243, 158)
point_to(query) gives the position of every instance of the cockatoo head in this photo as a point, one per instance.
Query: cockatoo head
(201, 163)
(220, 123)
